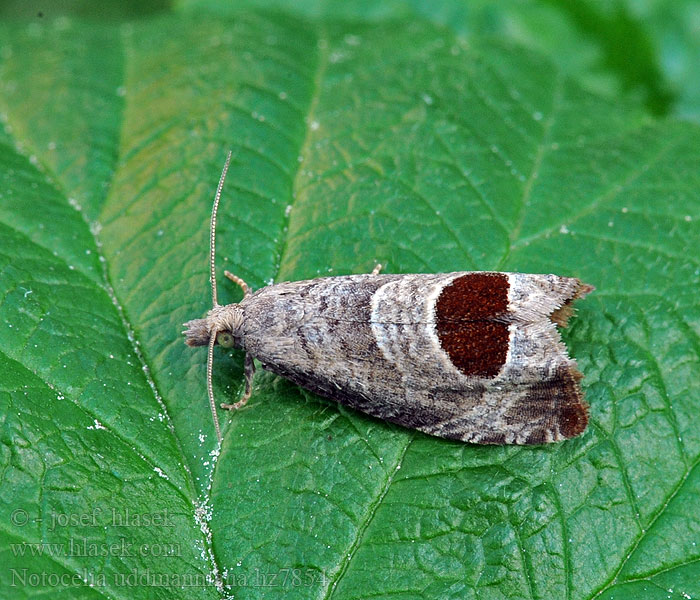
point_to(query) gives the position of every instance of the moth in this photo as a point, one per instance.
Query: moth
(473, 355)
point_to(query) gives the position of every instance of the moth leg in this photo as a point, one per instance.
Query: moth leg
(248, 371)
(237, 280)
(376, 269)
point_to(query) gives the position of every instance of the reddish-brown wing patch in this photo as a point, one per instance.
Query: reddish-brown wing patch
(573, 411)
(557, 405)
(466, 314)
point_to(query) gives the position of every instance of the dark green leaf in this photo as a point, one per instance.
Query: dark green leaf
(394, 140)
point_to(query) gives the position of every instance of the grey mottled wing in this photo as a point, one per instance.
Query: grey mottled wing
(473, 356)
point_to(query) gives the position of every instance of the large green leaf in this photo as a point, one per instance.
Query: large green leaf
(389, 140)
(645, 49)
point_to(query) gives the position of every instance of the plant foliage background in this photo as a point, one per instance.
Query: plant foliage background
(533, 136)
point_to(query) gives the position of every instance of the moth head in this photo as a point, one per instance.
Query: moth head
(223, 323)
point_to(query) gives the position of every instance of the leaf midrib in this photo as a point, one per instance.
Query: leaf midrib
(129, 331)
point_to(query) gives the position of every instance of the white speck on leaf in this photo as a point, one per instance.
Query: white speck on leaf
(158, 470)
(336, 57)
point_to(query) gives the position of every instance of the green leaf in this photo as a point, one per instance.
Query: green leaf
(647, 50)
(393, 140)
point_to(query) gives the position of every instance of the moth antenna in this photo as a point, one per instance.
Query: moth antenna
(212, 241)
(214, 297)
(210, 387)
